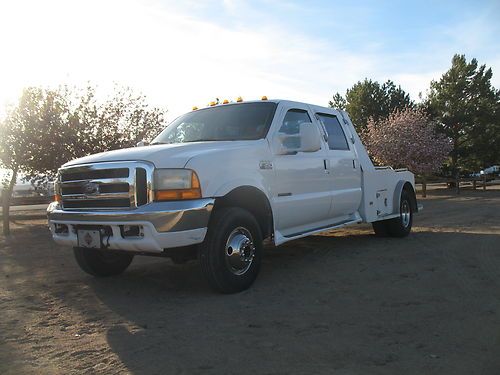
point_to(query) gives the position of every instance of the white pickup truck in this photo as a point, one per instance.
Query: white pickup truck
(218, 182)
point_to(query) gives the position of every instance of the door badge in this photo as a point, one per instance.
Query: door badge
(266, 164)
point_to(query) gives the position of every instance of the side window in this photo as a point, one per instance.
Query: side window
(336, 136)
(291, 122)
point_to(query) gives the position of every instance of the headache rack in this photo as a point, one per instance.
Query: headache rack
(105, 186)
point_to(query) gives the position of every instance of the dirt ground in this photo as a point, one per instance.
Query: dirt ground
(344, 302)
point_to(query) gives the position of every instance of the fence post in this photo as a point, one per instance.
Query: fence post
(484, 182)
(458, 183)
(424, 187)
(473, 184)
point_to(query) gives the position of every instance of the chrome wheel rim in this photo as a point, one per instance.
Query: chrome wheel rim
(239, 251)
(405, 213)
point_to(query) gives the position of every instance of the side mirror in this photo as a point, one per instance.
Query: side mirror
(141, 143)
(310, 138)
(307, 140)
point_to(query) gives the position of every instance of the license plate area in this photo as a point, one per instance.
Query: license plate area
(89, 238)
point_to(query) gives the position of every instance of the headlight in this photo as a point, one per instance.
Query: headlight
(176, 184)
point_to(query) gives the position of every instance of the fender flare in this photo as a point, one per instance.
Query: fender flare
(263, 213)
(402, 184)
(235, 183)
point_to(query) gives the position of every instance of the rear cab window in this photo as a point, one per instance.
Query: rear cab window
(336, 136)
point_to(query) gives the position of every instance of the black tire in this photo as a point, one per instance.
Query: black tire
(228, 270)
(102, 263)
(399, 226)
(380, 228)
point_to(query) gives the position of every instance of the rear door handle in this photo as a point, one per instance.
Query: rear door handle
(326, 165)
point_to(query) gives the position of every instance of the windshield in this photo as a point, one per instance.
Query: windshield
(228, 122)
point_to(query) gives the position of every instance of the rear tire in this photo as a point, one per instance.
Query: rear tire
(399, 226)
(380, 228)
(102, 263)
(231, 254)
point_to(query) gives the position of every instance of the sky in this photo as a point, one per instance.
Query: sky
(186, 53)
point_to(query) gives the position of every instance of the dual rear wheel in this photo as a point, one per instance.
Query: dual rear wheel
(399, 226)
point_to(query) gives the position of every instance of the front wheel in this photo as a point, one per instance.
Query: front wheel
(231, 254)
(102, 263)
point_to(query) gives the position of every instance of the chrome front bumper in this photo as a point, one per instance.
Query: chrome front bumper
(165, 224)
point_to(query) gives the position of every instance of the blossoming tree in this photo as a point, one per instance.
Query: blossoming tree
(407, 139)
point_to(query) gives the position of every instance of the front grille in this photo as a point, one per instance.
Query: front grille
(105, 186)
(78, 188)
(72, 175)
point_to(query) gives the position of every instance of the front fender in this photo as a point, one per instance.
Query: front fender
(226, 169)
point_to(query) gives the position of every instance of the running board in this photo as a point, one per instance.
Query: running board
(322, 229)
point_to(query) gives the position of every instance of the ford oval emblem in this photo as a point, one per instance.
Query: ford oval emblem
(90, 188)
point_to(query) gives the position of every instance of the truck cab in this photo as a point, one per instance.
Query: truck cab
(218, 181)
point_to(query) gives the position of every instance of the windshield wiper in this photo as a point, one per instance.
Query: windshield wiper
(202, 140)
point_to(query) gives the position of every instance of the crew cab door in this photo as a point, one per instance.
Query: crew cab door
(301, 189)
(343, 167)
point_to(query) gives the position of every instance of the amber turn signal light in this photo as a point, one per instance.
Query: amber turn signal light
(176, 195)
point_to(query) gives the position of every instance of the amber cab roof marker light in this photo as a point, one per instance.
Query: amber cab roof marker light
(263, 98)
(239, 99)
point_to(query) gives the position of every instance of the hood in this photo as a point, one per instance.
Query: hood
(162, 156)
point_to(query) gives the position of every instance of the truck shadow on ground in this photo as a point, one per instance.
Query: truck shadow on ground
(323, 303)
